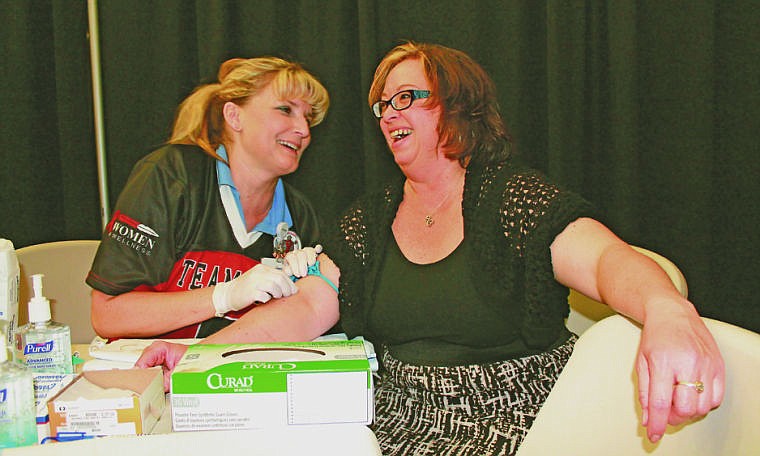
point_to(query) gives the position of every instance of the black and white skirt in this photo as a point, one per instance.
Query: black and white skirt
(463, 410)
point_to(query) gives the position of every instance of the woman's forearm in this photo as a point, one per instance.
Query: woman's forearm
(635, 285)
(148, 313)
(591, 259)
(301, 317)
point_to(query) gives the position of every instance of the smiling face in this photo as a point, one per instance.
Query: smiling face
(269, 133)
(411, 134)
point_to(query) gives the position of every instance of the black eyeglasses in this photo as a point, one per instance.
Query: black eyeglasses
(399, 102)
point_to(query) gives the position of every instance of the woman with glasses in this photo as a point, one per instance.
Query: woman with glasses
(460, 269)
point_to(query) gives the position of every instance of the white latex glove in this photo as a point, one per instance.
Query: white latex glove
(297, 262)
(257, 285)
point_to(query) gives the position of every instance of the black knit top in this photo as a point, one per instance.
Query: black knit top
(511, 214)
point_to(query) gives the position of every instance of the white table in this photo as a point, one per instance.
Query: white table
(330, 439)
(333, 439)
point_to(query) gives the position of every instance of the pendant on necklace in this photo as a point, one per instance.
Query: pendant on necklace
(429, 220)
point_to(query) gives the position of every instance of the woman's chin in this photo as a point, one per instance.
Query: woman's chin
(402, 157)
(290, 165)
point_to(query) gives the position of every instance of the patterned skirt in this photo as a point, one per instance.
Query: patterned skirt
(463, 410)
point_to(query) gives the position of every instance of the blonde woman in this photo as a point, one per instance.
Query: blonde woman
(181, 256)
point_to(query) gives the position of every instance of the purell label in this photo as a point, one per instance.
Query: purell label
(39, 347)
(3, 395)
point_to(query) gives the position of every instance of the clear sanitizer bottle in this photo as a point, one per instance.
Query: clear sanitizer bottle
(18, 425)
(44, 345)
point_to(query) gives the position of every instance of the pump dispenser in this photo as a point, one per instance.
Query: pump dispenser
(17, 416)
(39, 305)
(44, 346)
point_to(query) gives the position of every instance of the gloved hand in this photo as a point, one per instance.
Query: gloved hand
(259, 284)
(297, 262)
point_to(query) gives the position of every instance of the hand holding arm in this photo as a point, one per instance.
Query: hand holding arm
(299, 317)
(297, 262)
(151, 313)
(257, 285)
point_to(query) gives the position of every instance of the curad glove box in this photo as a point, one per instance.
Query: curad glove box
(249, 386)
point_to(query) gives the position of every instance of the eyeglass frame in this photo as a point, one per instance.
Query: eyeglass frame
(416, 94)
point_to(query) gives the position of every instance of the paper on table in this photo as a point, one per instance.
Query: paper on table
(368, 347)
(123, 353)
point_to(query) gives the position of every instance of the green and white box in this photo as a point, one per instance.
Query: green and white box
(248, 386)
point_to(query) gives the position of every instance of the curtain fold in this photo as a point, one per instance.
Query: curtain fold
(649, 109)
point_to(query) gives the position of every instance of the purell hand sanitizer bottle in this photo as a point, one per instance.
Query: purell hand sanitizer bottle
(17, 415)
(44, 346)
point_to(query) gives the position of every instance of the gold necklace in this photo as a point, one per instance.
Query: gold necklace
(429, 220)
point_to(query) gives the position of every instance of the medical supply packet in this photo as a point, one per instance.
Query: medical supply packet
(249, 386)
(109, 402)
(9, 283)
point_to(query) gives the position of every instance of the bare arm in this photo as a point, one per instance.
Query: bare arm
(675, 344)
(137, 314)
(589, 258)
(299, 317)
(148, 313)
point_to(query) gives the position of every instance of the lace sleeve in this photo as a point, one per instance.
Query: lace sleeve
(352, 231)
(533, 212)
(352, 246)
(526, 200)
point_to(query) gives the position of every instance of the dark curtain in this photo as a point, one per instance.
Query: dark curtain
(649, 108)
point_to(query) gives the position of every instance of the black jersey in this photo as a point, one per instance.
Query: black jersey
(170, 232)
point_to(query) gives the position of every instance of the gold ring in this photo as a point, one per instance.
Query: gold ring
(699, 386)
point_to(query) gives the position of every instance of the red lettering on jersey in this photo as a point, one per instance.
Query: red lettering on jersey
(205, 269)
(200, 270)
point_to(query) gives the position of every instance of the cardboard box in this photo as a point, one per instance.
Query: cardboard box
(249, 386)
(109, 402)
(46, 386)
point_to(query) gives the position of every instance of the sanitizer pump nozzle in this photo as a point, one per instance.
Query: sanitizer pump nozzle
(39, 305)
